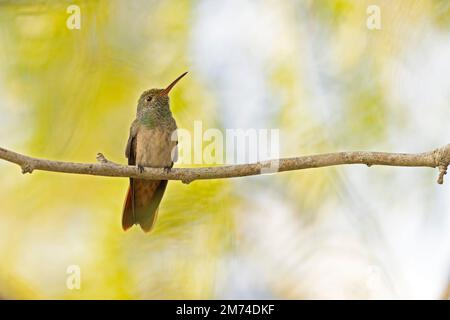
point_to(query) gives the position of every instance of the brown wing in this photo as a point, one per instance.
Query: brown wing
(128, 216)
(130, 150)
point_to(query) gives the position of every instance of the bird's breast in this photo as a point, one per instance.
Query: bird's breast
(154, 147)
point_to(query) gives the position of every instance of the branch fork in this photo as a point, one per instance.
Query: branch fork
(442, 158)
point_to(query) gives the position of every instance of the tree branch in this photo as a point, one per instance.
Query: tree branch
(438, 158)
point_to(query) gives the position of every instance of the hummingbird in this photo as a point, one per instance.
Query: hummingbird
(152, 143)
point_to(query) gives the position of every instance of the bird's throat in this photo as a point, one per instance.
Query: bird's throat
(154, 118)
(148, 120)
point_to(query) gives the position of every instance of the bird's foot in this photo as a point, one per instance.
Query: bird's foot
(167, 169)
(140, 168)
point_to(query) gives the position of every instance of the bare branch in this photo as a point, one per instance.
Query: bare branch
(438, 158)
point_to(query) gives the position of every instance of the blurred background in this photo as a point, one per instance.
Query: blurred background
(312, 69)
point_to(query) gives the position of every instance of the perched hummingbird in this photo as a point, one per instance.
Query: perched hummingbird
(150, 145)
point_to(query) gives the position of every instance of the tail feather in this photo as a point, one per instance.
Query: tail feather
(142, 202)
(128, 216)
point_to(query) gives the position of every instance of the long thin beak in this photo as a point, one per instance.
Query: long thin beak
(166, 91)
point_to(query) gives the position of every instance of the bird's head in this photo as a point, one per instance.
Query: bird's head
(156, 100)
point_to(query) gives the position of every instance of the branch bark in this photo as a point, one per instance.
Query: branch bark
(438, 158)
(446, 294)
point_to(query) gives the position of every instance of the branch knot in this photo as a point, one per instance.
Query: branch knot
(102, 159)
(27, 168)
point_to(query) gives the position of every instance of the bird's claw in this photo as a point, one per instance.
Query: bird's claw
(167, 169)
(140, 168)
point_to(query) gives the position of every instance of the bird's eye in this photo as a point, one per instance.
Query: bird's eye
(148, 99)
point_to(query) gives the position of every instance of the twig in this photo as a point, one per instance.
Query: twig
(438, 158)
